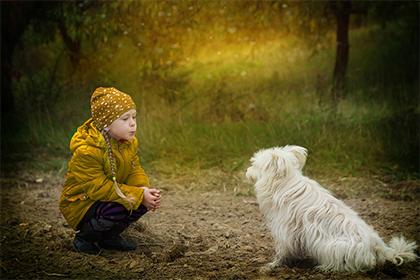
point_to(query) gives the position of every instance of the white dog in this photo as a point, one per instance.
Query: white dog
(306, 221)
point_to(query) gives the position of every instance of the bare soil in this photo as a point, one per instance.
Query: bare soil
(209, 227)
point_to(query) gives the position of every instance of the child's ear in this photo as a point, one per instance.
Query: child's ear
(300, 153)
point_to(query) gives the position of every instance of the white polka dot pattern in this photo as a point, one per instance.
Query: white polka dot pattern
(108, 104)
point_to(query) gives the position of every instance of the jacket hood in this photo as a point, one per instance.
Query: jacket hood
(87, 134)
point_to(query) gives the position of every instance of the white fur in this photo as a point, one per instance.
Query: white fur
(307, 221)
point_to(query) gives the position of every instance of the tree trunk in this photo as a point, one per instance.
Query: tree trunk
(7, 100)
(72, 45)
(14, 19)
(342, 13)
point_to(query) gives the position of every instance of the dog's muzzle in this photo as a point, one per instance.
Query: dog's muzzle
(250, 175)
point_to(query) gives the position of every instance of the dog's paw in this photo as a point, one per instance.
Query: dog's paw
(269, 268)
(265, 269)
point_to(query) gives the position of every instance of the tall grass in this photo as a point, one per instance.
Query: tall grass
(227, 101)
(343, 143)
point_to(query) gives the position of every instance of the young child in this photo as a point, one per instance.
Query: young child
(106, 189)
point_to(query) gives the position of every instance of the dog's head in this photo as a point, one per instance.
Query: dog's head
(276, 163)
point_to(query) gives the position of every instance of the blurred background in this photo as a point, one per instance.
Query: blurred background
(214, 81)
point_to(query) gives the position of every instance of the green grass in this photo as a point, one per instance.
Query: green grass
(228, 101)
(338, 144)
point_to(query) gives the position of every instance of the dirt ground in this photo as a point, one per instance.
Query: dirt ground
(209, 227)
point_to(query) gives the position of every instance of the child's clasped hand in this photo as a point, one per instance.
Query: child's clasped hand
(151, 199)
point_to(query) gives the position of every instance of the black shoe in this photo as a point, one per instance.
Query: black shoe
(84, 246)
(117, 243)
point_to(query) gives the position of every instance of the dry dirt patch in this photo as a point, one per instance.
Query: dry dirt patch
(207, 228)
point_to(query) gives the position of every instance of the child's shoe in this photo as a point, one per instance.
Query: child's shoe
(84, 246)
(116, 242)
(85, 239)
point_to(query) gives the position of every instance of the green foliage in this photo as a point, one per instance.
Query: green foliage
(216, 81)
(385, 64)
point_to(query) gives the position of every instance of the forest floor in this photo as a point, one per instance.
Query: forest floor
(209, 227)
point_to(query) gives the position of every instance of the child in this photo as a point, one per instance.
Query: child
(106, 189)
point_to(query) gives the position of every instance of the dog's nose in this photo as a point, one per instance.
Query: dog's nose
(248, 174)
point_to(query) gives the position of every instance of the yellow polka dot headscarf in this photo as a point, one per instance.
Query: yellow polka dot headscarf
(108, 104)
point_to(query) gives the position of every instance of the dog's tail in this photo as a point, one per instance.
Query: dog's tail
(400, 251)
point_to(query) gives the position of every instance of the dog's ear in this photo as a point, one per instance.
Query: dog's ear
(300, 153)
(276, 166)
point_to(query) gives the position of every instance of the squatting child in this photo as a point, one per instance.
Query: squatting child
(106, 189)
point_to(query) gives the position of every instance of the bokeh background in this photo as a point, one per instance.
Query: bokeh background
(217, 80)
(214, 82)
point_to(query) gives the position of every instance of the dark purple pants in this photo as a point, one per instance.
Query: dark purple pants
(105, 216)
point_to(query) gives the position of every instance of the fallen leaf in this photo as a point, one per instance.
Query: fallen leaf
(24, 225)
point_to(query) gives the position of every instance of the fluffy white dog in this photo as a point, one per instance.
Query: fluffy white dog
(307, 221)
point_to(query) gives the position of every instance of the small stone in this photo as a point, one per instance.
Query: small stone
(133, 264)
(39, 180)
(248, 248)
(47, 227)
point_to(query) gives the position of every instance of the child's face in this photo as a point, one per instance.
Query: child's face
(124, 128)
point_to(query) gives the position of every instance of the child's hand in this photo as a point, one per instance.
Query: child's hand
(151, 199)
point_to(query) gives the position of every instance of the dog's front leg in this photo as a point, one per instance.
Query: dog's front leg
(271, 266)
(279, 259)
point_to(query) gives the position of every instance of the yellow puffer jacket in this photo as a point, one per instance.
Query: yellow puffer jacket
(89, 178)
